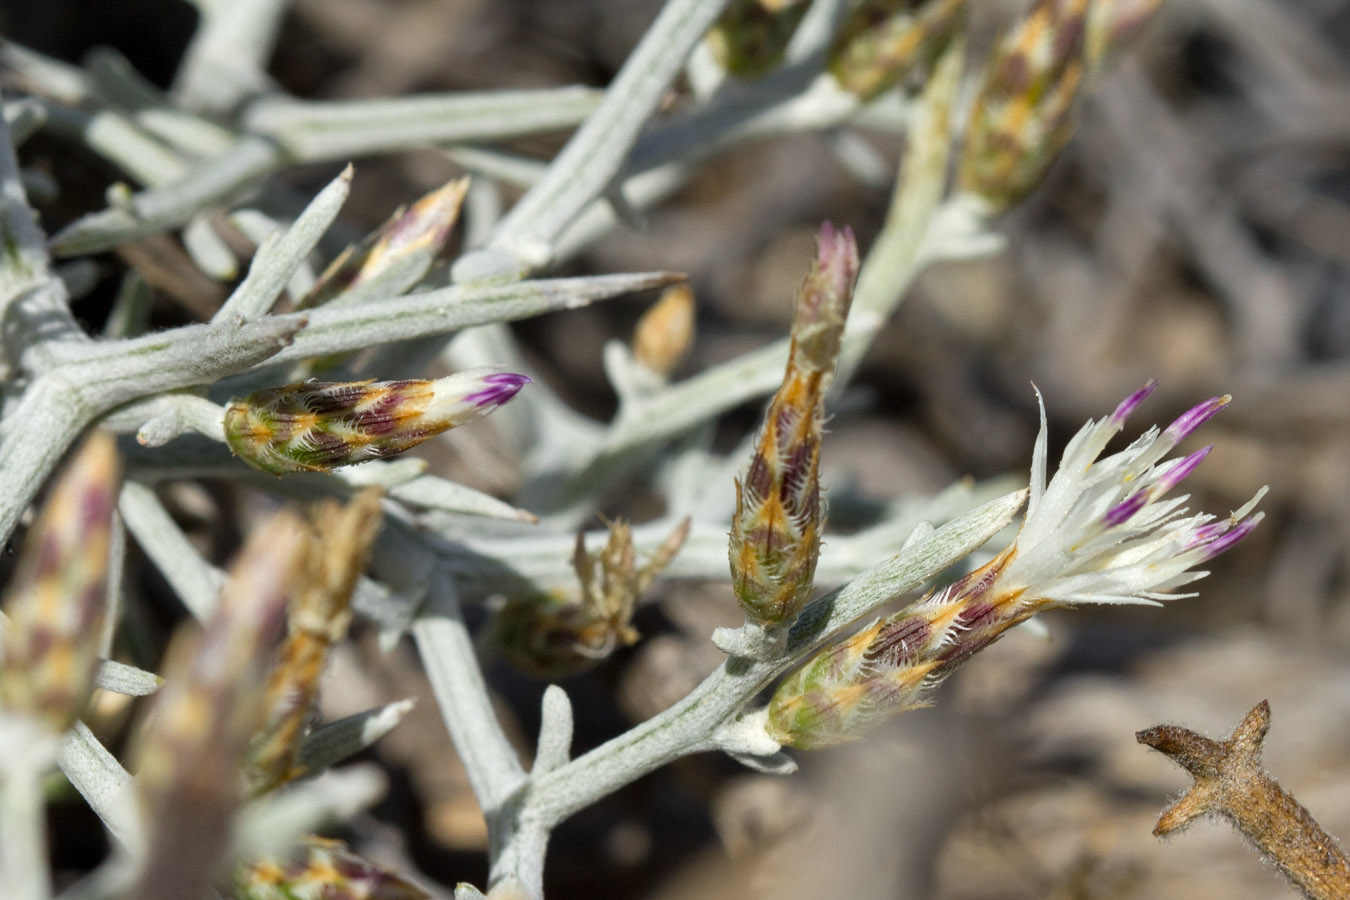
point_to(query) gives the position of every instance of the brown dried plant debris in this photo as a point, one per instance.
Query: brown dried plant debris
(1230, 783)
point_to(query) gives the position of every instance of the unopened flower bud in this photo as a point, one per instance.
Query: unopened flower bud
(1021, 117)
(397, 254)
(752, 35)
(58, 597)
(317, 618)
(318, 867)
(775, 535)
(1113, 23)
(315, 426)
(884, 40)
(664, 332)
(190, 753)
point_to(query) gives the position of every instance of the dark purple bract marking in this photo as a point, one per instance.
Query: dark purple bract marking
(898, 642)
(976, 615)
(378, 418)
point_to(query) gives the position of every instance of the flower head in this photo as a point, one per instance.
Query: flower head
(1022, 115)
(775, 535)
(1102, 530)
(1105, 530)
(317, 867)
(57, 600)
(395, 256)
(315, 426)
(882, 41)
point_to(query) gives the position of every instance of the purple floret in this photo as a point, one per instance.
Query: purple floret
(1175, 475)
(1130, 403)
(1224, 541)
(1123, 511)
(500, 387)
(1194, 417)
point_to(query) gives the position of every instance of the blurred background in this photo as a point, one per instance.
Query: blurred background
(1196, 230)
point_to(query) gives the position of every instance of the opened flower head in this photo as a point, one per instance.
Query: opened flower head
(1100, 531)
(1105, 530)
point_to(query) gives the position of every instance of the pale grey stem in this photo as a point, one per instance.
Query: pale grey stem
(118, 139)
(32, 303)
(643, 426)
(662, 159)
(896, 256)
(287, 133)
(892, 263)
(23, 826)
(447, 652)
(332, 743)
(555, 731)
(521, 860)
(58, 405)
(519, 561)
(105, 785)
(226, 60)
(117, 373)
(793, 99)
(450, 309)
(158, 420)
(23, 117)
(117, 561)
(196, 582)
(121, 678)
(223, 179)
(281, 254)
(324, 131)
(594, 156)
(817, 29)
(522, 855)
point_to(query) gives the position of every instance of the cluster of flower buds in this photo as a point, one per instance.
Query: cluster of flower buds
(554, 637)
(752, 35)
(775, 534)
(395, 256)
(1100, 531)
(316, 426)
(884, 40)
(318, 615)
(57, 599)
(1022, 114)
(321, 868)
